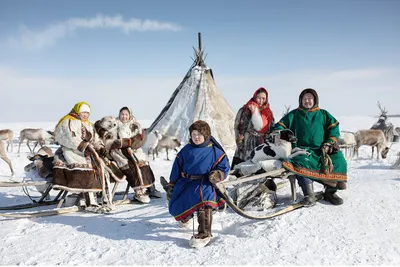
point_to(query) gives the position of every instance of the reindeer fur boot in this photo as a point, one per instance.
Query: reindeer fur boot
(309, 195)
(153, 192)
(203, 237)
(331, 196)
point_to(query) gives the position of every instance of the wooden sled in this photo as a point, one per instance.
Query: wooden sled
(108, 190)
(59, 200)
(40, 202)
(278, 173)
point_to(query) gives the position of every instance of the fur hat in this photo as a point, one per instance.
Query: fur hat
(311, 91)
(202, 127)
(84, 108)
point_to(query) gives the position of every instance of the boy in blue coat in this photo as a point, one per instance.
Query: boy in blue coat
(199, 164)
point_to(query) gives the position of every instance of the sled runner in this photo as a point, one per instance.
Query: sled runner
(279, 173)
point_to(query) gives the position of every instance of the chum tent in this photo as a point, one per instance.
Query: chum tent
(197, 98)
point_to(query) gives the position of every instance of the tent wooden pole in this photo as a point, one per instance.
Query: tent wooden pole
(200, 52)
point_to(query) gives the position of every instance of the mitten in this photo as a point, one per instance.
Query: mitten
(138, 140)
(121, 143)
(102, 151)
(82, 146)
(216, 176)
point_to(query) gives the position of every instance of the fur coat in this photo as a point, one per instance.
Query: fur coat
(73, 170)
(254, 123)
(135, 166)
(192, 188)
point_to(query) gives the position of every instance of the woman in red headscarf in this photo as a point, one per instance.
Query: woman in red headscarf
(253, 123)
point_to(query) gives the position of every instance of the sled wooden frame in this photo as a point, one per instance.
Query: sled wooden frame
(59, 200)
(40, 202)
(278, 173)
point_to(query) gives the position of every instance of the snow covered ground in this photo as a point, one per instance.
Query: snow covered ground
(363, 231)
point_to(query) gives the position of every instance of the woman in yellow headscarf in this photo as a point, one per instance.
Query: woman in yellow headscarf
(73, 170)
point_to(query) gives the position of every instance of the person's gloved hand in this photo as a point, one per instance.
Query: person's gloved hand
(121, 143)
(216, 176)
(85, 147)
(89, 149)
(327, 147)
(102, 151)
(331, 148)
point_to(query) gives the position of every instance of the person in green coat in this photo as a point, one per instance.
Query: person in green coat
(317, 131)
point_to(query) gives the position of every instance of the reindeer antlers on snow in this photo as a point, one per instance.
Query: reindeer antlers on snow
(383, 110)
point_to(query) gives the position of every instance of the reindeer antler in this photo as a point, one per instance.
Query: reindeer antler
(287, 109)
(383, 110)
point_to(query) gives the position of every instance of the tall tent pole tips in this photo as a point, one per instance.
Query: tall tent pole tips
(199, 52)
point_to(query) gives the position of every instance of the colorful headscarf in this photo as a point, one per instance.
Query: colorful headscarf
(265, 111)
(74, 113)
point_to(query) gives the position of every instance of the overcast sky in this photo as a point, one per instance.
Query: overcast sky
(135, 53)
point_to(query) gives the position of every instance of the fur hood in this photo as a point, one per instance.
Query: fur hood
(311, 91)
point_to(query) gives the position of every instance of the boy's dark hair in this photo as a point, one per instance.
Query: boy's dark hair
(202, 127)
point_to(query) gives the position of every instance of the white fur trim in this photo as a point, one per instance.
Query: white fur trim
(256, 119)
(84, 108)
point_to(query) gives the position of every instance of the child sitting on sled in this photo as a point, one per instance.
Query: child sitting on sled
(197, 166)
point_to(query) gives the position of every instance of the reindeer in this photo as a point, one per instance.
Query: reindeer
(347, 141)
(7, 135)
(382, 124)
(40, 136)
(4, 157)
(287, 109)
(152, 142)
(168, 142)
(372, 138)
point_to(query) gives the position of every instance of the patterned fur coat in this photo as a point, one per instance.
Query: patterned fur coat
(73, 170)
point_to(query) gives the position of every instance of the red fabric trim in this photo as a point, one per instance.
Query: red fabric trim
(218, 160)
(314, 174)
(213, 205)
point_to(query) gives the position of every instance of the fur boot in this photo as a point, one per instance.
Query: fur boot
(309, 195)
(203, 237)
(331, 196)
(153, 192)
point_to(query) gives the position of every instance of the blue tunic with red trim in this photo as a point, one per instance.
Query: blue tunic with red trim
(313, 127)
(189, 178)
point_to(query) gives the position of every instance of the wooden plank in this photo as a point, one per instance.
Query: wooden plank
(239, 180)
(20, 184)
(41, 213)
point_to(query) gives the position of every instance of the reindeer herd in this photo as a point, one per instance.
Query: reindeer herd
(155, 142)
(381, 134)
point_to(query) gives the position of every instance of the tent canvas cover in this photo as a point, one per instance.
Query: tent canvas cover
(197, 98)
